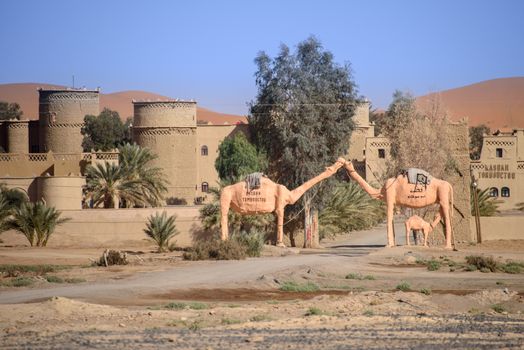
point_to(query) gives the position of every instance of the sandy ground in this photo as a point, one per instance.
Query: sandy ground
(159, 300)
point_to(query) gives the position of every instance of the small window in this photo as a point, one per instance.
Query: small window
(381, 153)
(504, 191)
(203, 150)
(494, 192)
(205, 187)
(498, 153)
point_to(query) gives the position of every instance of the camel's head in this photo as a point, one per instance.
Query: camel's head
(349, 166)
(338, 164)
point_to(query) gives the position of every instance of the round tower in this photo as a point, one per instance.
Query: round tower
(17, 136)
(168, 129)
(61, 192)
(61, 116)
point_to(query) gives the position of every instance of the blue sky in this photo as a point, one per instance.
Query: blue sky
(204, 50)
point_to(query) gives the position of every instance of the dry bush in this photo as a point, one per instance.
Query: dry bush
(216, 249)
(113, 257)
(419, 136)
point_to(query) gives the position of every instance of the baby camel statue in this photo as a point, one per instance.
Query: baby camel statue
(269, 197)
(416, 223)
(398, 191)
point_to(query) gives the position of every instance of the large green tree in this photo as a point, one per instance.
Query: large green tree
(302, 116)
(10, 111)
(476, 137)
(105, 131)
(237, 157)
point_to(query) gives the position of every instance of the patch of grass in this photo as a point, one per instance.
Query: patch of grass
(368, 313)
(314, 311)
(195, 325)
(470, 268)
(232, 306)
(482, 262)
(14, 270)
(425, 291)
(75, 280)
(227, 321)
(175, 306)
(295, 287)
(498, 308)
(19, 282)
(433, 265)
(198, 306)
(359, 276)
(512, 267)
(54, 279)
(259, 318)
(403, 286)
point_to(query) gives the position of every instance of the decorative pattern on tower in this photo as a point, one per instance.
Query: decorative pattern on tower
(61, 117)
(168, 129)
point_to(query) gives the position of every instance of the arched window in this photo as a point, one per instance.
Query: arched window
(494, 192)
(203, 150)
(504, 191)
(205, 187)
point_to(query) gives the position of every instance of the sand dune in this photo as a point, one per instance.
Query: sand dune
(498, 103)
(26, 95)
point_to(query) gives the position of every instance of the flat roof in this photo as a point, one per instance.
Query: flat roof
(162, 101)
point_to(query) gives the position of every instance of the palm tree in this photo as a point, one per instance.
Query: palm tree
(35, 221)
(488, 206)
(5, 212)
(350, 208)
(160, 228)
(135, 162)
(107, 182)
(9, 200)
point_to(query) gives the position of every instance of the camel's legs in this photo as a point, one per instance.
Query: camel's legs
(279, 212)
(391, 238)
(426, 233)
(408, 230)
(225, 202)
(444, 211)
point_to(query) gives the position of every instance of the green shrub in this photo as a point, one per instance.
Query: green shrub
(512, 267)
(54, 279)
(13, 270)
(482, 262)
(75, 280)
(175, 306)
(498, 308)
(160, 229)
(403, 286)
(216, 249)
(425, 291)
(359, 276)
(198, 306)
(314, 311)
(433, 265)
(228, 321)
(253, 241)
(20, 282)
(368, 313)
(259, 318)
(295, 287)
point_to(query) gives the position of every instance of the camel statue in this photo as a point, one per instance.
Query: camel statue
(416, 223)
(269, 197)
(399, 191)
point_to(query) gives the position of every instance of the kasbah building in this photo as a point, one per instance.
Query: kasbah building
(45, 158)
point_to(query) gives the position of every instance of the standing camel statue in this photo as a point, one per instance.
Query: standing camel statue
(269, 197)
(399, 191)
(416, 223)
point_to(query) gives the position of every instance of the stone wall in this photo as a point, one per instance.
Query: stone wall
(61, 117)
(499, 227)
(116, 228)
(168, 128)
